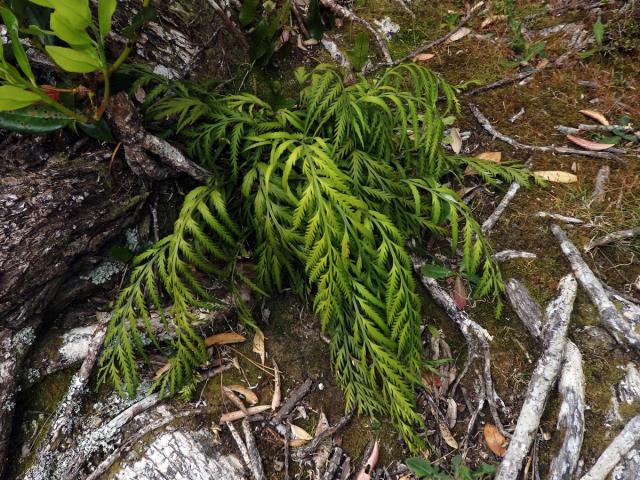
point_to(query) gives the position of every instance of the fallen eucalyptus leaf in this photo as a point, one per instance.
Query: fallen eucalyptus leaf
(495, 157)
(258, 345)
(588, 144)
(597, 116)
(423, 57)
(250, 396)
(556, 176)
(456, 140)
(299, 433)
(495, 440)
(463, 32)
(224, 339)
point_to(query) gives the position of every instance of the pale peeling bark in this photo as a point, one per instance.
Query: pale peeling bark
(571, 416)
(505, 255)
(571, 386)
(616, 451)
(556, 324)
(629, 468)
(182, 455)
(490, 222)
(617, 326)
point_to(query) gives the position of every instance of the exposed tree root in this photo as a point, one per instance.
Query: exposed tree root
(618, 327)
(556, 325)
(477, 339)
(616, 450)
(484, 122)
(571, 386)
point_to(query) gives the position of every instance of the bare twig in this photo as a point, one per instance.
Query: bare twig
(559, 218)
(613, 237)
(490, 222)
(254, 455)
(239, 414)
(292, 400)
(628, 129)
(557, 318)
(505, 255)
(599, 191)
(484, 122)
(616, 450)
(312, 446)
(334, 464)
(344, 12)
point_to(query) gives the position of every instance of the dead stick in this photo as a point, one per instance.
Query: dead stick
(242, 447)
(254, 454)
(613, 237)
(490, 222)
(484, 122)
(618, 327)
(617, 449)
(557, 318)
(292, 400)
(599, 187)
(312, 446)
(598, 128)
(512, 254)
(349, 15)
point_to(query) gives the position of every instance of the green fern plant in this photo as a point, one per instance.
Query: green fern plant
(325, 196)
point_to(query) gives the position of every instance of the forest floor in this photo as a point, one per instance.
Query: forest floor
(606, 81)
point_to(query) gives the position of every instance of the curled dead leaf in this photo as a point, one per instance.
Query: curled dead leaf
(556, 176)
(297, 442)
(277, 389)
(495, 157)
(236, 400)
(249, 395)
(495, 440)
(459, 293)
(588, 144)
(372, 461)
(423, 57)
(597, 116)
(258, 345)
(161, 371)
(239, 414)
(492, 19)
(299, 433)
(225, 338)
(461, 33)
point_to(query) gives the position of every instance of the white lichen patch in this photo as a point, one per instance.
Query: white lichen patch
(104, 272)
(75, 344)
(387, 27)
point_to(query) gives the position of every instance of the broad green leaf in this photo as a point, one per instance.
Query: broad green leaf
(13, 98)
(598, 32)
(98, 130)
(11, 23)
(37, 120)
(76, 12)
(106, 8)
(248, 12)
(64, 31)
(75, 61)
(42, 3)
(436, 271)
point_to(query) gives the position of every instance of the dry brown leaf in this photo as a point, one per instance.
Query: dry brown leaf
(597, 116)
(456, 140)
(372, 461)
(463, 32)
(277, 390)
(492, 19)
(323, 424)
(310, 41)
(423, 57)
(249, 395)
(431, 380)
(163, 369)
(258, 345)
(543, 63)
(224, 339)
(299, 433)
(452, 412)
(234, 399)
(495, 157)
(588, 144)
(495, 440)
(297, 442)
(556, 176)
(460, 293)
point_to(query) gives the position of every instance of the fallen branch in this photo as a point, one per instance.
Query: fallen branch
(334, 464)
(477, 339)
(613, 237)
(525, 306)
(244, 452)
(557, 316)
(292, 400)
(312, 446)
(484, 122)
(505, 255)
(617, 326)
(616, 450)
(344, 12)
(254, 455)
(490, 222)
(239, 414)
(628, 129)
(560, 218)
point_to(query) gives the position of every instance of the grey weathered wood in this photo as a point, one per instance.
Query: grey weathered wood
(611, 319)
(556, 325)
(490, 222)
(616, 451)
